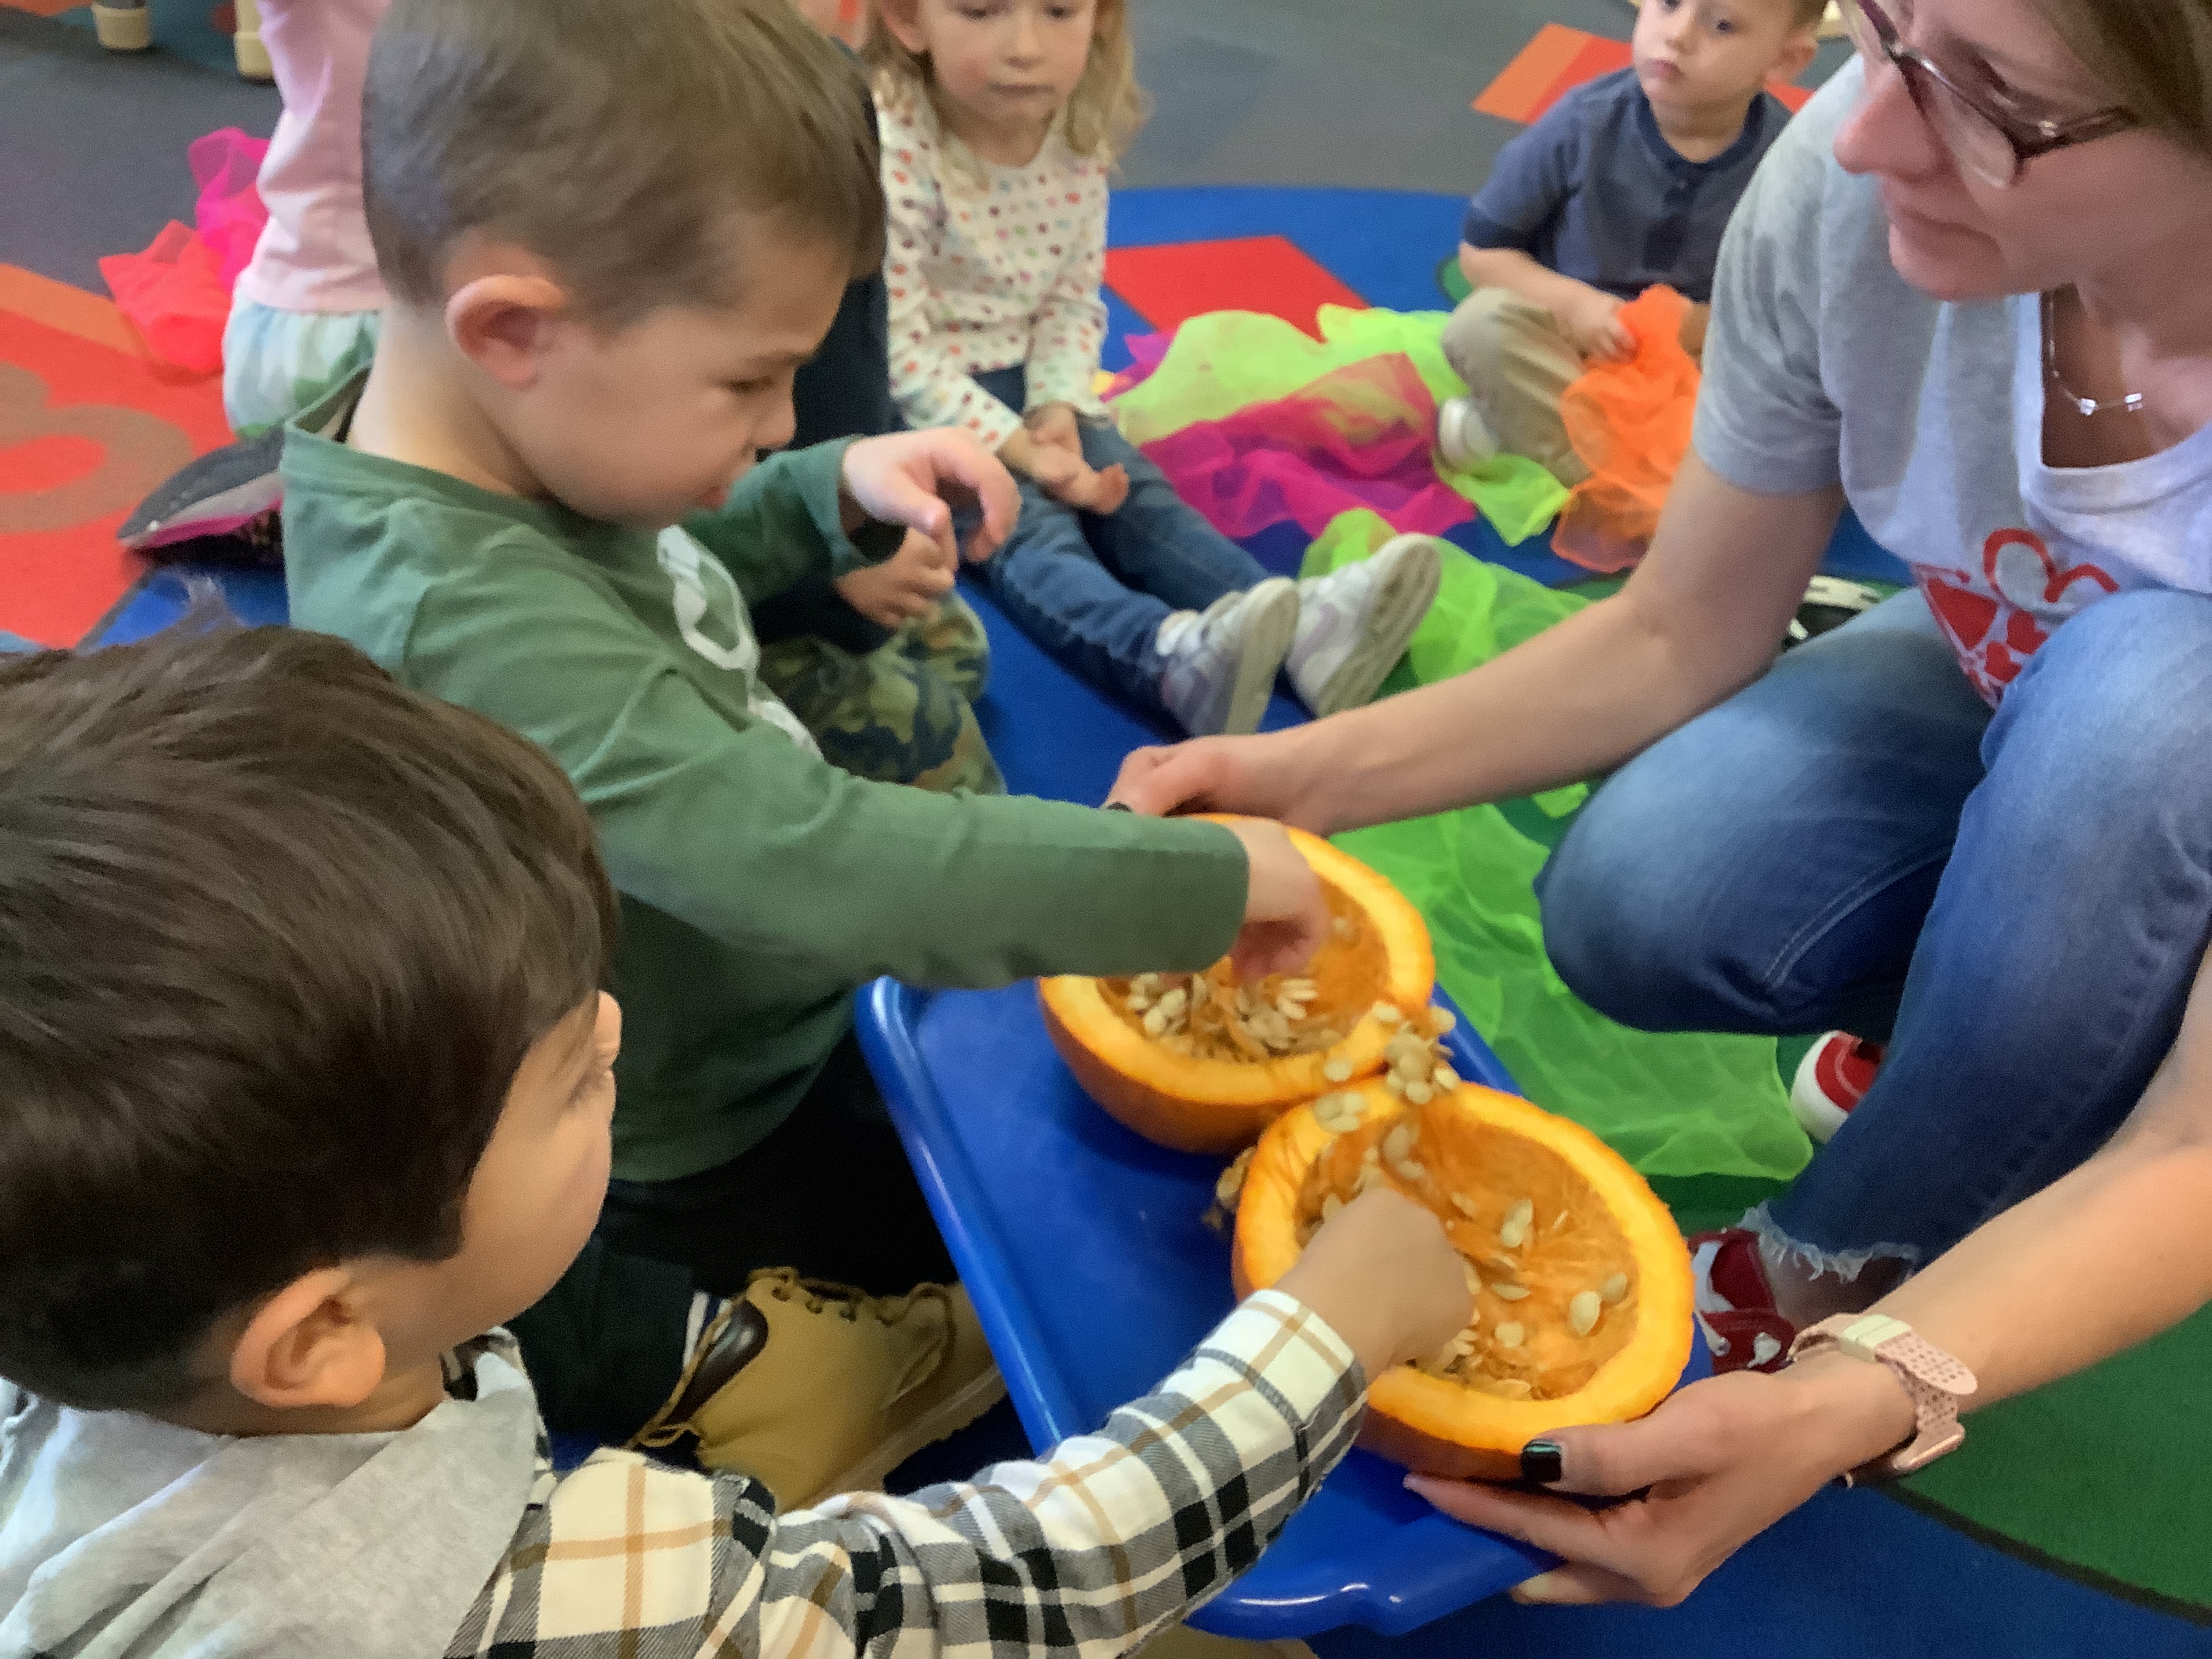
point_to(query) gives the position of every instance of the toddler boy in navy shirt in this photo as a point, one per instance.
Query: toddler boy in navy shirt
(1626, 182)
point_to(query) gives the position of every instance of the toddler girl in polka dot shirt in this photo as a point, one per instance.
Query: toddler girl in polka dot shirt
(1000, 120)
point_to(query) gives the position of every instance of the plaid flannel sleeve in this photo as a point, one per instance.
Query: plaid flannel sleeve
(1085, 1552)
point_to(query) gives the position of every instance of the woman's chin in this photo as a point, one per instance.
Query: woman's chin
(1947, 264)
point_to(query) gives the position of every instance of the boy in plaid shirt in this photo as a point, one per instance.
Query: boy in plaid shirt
(305, 1084)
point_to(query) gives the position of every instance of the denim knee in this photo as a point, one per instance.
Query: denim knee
(2112, 707)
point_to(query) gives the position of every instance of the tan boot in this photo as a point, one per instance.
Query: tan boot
(124, 28)
(814, 1389)
(253, 63)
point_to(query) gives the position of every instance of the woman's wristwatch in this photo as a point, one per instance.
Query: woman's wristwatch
(1935, 1380)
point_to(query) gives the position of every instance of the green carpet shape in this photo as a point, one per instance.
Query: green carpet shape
(2105, 1476)
(1674, 1105)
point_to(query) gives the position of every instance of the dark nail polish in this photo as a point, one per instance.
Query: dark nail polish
(1119, 807)
(1541, 1462)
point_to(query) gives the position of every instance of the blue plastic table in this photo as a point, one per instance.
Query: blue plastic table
(1093, 1273)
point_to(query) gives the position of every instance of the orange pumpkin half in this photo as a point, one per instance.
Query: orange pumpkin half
(1584, 1310)
(1161, 1053)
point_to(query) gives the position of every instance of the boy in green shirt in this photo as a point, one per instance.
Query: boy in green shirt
(612, 230)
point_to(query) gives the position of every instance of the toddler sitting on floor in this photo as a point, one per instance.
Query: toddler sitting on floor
(1000, 123)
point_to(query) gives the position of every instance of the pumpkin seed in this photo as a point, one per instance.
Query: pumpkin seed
(1386, 1012)
(1344, 927)
(1395, 1084)
(1231, 1182)
(1445, 1078)
(1582, 1312)
(1418, 1094)
(1559, 1221)
(1512, 1388)
(1441, 1020)
(1303, 989)
(1614, 1288)
(1337, 1071)
(1510, 1334)
(1369, 1175)
(1147, 983)
(1289, 1010)
(1400, 1141)
(1464, 1205)
(1515, 1230)
(1473, 1278)
(1411, 1173)
(1329, 1206)
(1156, 1022)
(1509, 1292)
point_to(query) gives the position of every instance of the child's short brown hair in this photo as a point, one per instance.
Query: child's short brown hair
(616, 139)
(275, 935)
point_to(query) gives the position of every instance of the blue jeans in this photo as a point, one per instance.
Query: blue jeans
(2016, 903)
(1092, 589)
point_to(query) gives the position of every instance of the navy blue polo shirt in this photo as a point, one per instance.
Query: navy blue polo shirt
(1594, 192)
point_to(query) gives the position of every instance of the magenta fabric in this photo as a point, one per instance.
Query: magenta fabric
(225, 165)
(1359, 436)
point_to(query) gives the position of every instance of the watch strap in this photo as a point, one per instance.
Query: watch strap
(1936, 1381)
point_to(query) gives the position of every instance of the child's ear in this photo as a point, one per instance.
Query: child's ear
(309, 1344)
(504, 323)
(903, 19)
(1796, 56)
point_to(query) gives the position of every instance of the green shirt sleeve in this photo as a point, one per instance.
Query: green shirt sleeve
(824, 879)
(785, 520)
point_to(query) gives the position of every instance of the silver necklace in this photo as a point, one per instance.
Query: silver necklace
(2130, 403)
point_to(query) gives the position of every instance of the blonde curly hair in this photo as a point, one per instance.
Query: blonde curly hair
(1101, 119)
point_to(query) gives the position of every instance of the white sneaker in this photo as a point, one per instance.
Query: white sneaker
(1221, 663)
(1353, 623)
(1464, 438)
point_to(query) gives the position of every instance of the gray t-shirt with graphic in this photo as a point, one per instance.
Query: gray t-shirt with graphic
(1824, 366)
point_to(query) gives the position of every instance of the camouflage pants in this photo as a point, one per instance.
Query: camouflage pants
(901, 713)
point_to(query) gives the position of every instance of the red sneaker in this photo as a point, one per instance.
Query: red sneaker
(1735, 1304)
(1833, 1078)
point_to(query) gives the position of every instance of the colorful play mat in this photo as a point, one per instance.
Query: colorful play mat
(2092, 1486)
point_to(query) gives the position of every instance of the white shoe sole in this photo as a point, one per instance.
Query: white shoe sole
(954, 1414)
(1403, 599)
(1267, 639)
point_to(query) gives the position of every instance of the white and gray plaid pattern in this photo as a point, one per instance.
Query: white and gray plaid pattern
(1085, 1552)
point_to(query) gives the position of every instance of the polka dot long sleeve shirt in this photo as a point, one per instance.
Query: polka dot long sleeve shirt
(989, 267)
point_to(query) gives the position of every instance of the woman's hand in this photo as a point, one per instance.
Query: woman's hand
(1265, 775)
(910, 583)
(911, 479)
(1712, 1467)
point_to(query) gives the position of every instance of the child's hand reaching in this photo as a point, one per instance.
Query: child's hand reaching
(910, 583)
(1592, 324)
(1285, 917)
(909, 478)
(1381, 1272)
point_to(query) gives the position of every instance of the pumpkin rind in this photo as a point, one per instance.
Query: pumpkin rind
(1434, 1424)
(1199, 1105)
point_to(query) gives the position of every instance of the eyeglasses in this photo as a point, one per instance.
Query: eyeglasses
(1990, 143)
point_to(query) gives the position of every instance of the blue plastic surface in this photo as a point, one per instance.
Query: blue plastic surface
(1093, 1273)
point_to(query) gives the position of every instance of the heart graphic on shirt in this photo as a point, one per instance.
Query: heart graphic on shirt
(1997, 628)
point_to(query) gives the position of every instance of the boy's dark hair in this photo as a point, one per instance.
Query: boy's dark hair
(275, 935)
(616, 139)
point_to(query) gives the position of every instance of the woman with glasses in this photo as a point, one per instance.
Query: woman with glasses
(1969, 294)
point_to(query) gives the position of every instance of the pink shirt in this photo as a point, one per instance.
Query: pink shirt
(314, 256)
